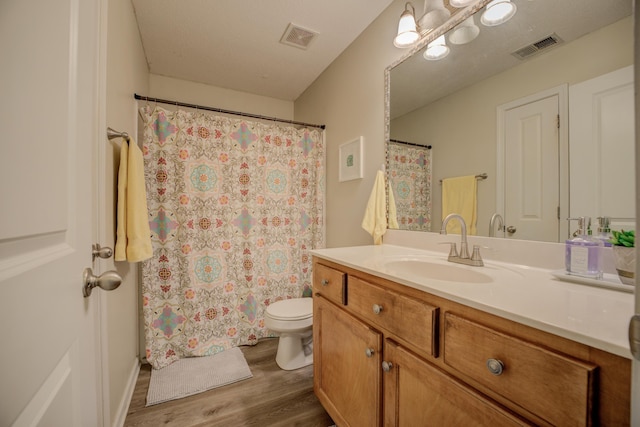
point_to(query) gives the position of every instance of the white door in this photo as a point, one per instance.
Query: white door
(601, 148)
(48, 116)
(530, 154)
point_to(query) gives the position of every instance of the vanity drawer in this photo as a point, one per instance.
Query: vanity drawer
(412, 321)
(330, 283)
(557, 388)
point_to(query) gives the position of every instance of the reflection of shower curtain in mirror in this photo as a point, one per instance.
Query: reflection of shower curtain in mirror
(410, 178)
(234, 208)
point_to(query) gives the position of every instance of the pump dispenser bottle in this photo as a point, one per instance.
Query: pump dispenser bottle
(604, 230)
(583, 255)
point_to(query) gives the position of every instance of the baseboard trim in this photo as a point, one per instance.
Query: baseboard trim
(123, 407)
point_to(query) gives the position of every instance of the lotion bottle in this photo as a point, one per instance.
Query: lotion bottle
(583, 254)
(604, 230)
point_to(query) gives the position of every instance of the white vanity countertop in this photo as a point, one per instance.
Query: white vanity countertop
(594, 316)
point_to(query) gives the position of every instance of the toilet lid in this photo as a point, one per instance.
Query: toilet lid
(291, 309)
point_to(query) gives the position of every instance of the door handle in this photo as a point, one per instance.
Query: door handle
(108, 281)
(511, 229)
(100, 252)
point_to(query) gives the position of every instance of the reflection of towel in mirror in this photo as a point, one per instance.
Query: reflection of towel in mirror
(393, 213)
(133, 236)
(375, 215)
(459, 196)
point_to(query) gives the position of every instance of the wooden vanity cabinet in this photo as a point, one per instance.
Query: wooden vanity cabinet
(440, 363)
(416, 393)
(558, 387)
(346, 366)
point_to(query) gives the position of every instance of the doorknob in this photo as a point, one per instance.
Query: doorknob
(511, 229)
(100, 252)
(108, 281)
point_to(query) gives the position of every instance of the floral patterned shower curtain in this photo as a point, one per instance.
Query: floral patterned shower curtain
(410, 179)
(234, 208)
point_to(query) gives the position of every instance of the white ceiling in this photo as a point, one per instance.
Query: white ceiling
(235, 44)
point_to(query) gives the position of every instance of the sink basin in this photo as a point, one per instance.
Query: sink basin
(437, 271)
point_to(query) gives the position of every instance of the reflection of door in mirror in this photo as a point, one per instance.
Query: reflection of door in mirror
(602, 148)
(529, 158)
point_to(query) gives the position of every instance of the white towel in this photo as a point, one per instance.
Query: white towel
(375, 215)
(133, 236)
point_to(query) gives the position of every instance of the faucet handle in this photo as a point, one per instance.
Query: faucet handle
(476, 254)
(453, 252)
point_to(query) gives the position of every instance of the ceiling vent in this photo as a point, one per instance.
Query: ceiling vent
(538, 46)
(298, 37)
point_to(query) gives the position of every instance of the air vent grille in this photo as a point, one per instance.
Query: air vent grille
(538, 46)
(298, 37)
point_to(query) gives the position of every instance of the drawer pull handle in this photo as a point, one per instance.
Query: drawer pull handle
(369, 352)
(377, 309)
(324, 282)
(386, 366)
(495, 366)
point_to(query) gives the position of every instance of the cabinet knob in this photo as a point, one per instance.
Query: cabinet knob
(377, 309)
(495, 366)
(369, 352)
(324, 282)
(386, 366)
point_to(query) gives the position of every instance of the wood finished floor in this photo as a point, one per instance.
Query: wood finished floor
(272, 397)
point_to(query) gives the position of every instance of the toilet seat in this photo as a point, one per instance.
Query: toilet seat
(291, 309)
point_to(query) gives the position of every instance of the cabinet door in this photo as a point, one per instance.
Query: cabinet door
(346, 366)
(417, 393)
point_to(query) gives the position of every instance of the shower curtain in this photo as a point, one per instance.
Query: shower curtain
(410, 179)
(234, 208)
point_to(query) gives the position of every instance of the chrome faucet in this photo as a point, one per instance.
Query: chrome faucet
(463, 258)
(492, 224)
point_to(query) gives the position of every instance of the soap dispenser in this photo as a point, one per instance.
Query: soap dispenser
(604, 230)
(583, 254)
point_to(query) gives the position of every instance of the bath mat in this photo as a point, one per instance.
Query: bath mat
(193, 375)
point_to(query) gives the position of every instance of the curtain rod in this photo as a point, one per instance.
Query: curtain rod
(428, 147)
(220, 110)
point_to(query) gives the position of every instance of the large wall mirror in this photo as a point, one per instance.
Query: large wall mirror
(566, 64)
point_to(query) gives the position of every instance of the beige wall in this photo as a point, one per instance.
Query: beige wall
(462, 126)
(348, 98)
(127, 72)
(201, 94)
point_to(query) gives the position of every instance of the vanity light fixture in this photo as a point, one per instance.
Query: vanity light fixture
(498, 12)
(407, 29)
(464, 32)
(460, 3)
(435, 14)
(410, 30)
(437, 49)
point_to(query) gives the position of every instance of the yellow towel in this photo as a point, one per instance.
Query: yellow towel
(459, 196)
(393, 213)
(375, 215)
(133, 236)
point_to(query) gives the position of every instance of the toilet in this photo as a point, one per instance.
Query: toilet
(292, 320)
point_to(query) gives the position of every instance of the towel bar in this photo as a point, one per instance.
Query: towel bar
(115, 134)
(481, 176)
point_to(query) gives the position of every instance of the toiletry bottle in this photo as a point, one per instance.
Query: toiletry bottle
(583, 254)
(604, 231)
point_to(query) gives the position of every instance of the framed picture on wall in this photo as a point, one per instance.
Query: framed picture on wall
(350, 160)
